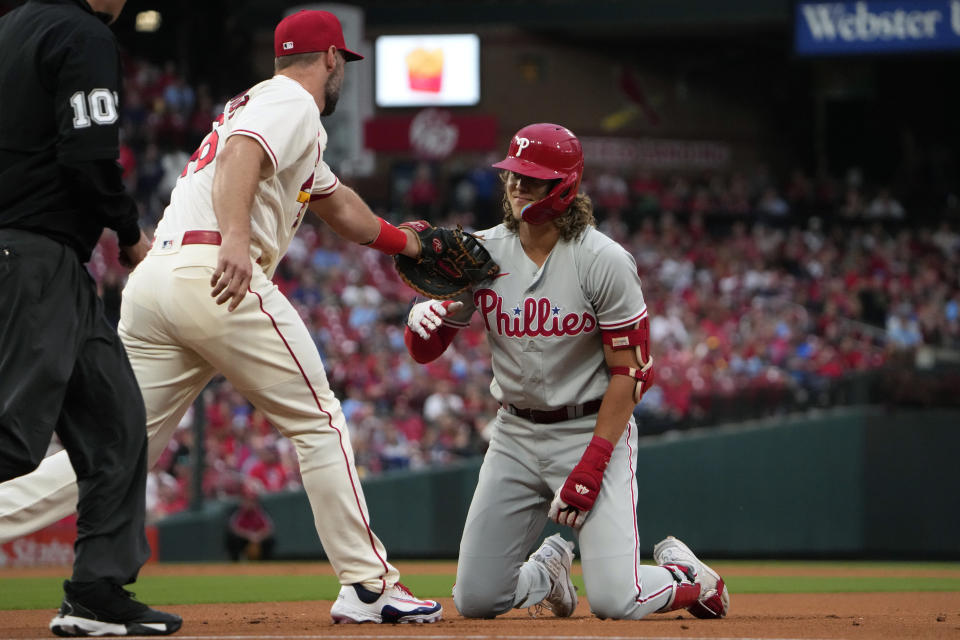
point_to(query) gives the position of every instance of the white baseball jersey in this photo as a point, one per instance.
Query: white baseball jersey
(544, 323)
(283, 117)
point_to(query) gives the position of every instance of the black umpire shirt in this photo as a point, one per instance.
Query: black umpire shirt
(59, 131)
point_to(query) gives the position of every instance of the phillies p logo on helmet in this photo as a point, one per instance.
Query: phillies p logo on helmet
(522, 143)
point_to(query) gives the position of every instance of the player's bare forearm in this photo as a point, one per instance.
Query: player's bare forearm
(618, 402)
(616, 409)
(241, 164)
(350, 218)
(347, 214)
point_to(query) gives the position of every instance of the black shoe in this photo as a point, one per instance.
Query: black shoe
(106, 609)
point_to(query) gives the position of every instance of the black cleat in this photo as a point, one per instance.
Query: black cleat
(106, 609)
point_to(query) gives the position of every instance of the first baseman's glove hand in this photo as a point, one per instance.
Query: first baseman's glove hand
(575, 498)
(450, 262)
(426, 317)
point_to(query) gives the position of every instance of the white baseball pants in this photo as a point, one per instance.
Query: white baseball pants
(177, 338)
(522, 469)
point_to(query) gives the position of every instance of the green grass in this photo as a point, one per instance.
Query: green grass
(839, 584)
(45, 593)
(873, 565)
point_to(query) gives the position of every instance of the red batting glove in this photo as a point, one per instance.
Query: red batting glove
(575, 498)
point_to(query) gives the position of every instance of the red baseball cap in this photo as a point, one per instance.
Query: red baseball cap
(308, 31)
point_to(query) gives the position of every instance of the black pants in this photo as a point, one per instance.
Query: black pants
(64, 369)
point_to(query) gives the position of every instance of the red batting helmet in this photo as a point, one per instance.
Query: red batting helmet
(551, 152)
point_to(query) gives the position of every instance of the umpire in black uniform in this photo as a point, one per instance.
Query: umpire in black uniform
(62, 365)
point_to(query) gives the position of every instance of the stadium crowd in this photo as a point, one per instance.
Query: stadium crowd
(763, 292)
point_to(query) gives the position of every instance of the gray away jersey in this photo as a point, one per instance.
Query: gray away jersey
(543, 325)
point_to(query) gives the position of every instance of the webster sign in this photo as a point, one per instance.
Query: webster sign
(876, 26)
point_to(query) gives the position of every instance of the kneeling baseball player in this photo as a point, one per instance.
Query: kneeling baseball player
(568, 331)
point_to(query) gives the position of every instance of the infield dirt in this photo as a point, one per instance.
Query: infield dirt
(880, 616)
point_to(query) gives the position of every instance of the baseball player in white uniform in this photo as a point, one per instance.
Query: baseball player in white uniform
(202, 302)
(568, 332)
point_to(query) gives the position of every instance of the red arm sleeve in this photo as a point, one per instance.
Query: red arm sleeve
(424, 351)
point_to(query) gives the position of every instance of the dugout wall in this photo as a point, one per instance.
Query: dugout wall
(860, 482)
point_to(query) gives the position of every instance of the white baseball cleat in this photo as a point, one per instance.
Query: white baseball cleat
(556, 554)
(356, 604)
(714, 600)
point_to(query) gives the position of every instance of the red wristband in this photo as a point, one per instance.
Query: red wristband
(598, 453)
(583, 484)
(389, 240)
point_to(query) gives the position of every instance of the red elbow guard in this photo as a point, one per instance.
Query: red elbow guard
(637, 337)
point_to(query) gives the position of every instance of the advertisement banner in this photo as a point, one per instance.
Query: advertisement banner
(431, 133)
(876, 26)
(53, 546)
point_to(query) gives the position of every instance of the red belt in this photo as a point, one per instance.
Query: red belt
(556, 415)
(201, 237)
(204, 237)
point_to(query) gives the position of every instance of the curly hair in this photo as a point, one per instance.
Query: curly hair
(577, 217)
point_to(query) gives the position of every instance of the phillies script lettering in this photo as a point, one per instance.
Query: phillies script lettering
(537, 317)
